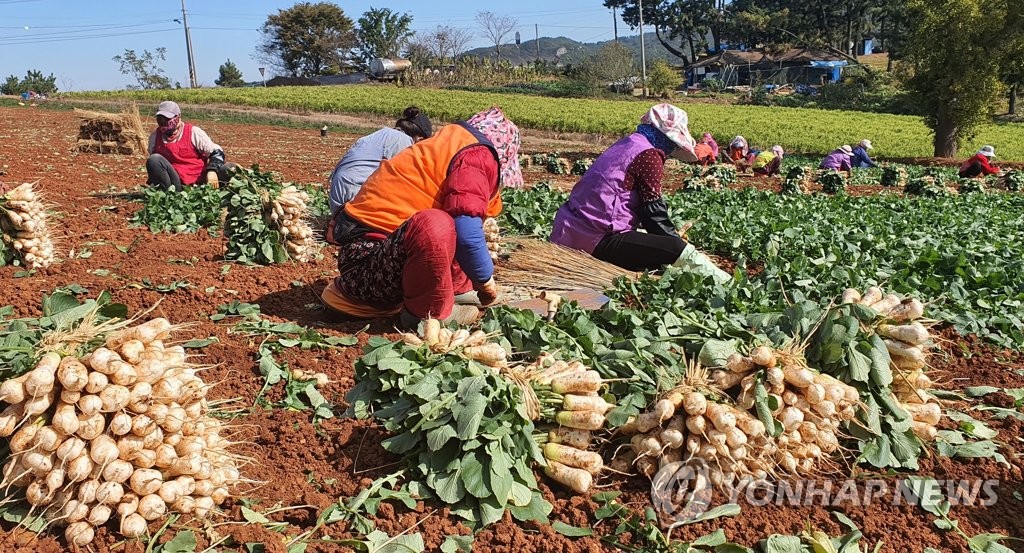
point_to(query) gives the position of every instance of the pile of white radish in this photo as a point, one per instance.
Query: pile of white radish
(580, 410)
(473, 344)
(692, 422)
(120, 433)
(25, 224)
(289, 212)
(906, 335)
(492, 234)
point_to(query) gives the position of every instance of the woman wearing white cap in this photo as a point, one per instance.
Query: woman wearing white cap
(181, 153)
(980, 164)
(861, 159)
(621, 193)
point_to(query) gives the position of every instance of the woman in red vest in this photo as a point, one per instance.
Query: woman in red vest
(412, 239)
(181, 153)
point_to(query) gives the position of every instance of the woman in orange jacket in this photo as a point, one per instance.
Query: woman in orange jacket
(412, 239)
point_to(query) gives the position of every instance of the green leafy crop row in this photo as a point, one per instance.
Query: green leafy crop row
(797, 129)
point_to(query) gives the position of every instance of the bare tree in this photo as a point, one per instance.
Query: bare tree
(452, 41)
(496, 28)
(443, 45)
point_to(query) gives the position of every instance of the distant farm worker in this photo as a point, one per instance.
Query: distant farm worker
(621, 193)
(769, 162)
(980, 164)
(365, 155)
(705, 153)
(708, 139)
(182, 154)
(737, 150)
(839, 159)
(411, 242)
(861, 159)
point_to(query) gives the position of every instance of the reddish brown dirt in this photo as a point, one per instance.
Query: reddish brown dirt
(307, 468)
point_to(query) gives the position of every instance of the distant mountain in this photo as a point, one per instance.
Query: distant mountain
(574, 51)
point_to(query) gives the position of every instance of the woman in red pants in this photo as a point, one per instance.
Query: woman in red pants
(412, 239)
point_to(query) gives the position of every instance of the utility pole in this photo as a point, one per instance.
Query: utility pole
(615, 24)
(643, 52)
(536, 36)
(188, 46)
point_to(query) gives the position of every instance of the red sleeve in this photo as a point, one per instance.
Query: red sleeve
(987, 167)
(471, 183)
(645, 174)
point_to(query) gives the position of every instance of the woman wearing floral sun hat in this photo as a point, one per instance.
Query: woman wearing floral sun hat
(621, 193)
(412, 238)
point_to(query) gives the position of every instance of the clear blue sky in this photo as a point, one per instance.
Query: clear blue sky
(76, 39)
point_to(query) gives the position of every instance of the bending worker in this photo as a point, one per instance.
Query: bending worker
(839, 160)
(861, 159)
(980, 164)
(365, 155)
(769, 162)
(182, 154)
(412, 239)
(621, 192)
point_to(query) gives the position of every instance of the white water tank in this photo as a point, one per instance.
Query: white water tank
(383, 67)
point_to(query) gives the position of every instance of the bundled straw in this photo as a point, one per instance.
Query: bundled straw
(542, 265)
(112, 133)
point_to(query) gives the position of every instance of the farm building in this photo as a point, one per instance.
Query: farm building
(745, 67)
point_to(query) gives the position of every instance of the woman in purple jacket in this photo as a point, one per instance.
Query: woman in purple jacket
(621, 193)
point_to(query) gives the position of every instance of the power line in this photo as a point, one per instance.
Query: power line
(10, 42)
(76, 32)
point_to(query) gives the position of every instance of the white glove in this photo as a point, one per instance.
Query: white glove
(694, 261)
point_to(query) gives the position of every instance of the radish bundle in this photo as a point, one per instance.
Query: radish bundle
(289, 212)
(894, 175)
(473, 345)
(569, 394)
(492, 233)
(265, 221)
(797, 181)
(554, 391)
(831, 181)
(902, 324)
(26, 229)
(116, 431)
(695, 422)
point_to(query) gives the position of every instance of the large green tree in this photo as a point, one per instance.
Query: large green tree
(957, 50)
(688, 22)
(308, 39)
(230, 76)
(382, 34)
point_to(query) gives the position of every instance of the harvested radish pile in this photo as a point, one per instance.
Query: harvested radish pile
(290, 213)
(266, 221)
(492, 233)
(444, 394)
(894, 175)
(26, 229)
(785, 419)
(904, 331)
(112, 423)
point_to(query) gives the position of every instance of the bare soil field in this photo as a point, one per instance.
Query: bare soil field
(304, 468)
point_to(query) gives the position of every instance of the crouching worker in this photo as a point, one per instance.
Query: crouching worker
(183, 154)
(411, 242)
(980, 164)
(621, 193)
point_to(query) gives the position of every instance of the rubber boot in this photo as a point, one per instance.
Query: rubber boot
(467, 298)
(693, 260)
